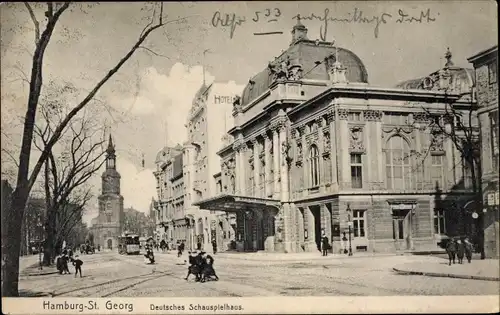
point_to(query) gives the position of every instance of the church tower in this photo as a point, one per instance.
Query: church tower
(110, 220)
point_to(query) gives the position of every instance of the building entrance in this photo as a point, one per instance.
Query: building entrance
(316, 212)
(110, 244)
(401, 229)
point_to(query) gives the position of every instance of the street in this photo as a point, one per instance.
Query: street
(107, 274)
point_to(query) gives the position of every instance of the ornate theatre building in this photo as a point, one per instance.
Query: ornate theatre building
(316, 149)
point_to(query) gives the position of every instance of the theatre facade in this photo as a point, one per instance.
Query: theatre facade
(316, 149)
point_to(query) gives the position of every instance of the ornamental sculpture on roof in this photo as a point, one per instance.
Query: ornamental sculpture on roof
(282, 70)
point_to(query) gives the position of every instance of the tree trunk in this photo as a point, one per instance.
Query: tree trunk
(48, 251)
(49, 248)
(12, 244)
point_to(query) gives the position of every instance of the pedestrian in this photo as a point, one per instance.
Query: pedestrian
(77, 262)
(180, 249)
(65, 260)
(344, 242)
(324, 244)
(214, 246)
(198, 245)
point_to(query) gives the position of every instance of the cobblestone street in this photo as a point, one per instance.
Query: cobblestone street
(107, 274)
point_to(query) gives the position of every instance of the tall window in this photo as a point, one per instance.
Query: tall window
(494, 139)
(467, 173)
(358, 222)
(314, 165)
(437, 171)
(356, 171)
(397, 161)
(439, 222)
(492, 72)
(108, 218)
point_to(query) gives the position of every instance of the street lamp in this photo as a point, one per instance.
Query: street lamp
(349, 223)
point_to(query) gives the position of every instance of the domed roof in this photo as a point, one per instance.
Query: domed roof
(461, 80)
(307, 53)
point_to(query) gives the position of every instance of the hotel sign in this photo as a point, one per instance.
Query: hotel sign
(220, 99)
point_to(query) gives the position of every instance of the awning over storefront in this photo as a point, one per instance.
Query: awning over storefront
(233, 203)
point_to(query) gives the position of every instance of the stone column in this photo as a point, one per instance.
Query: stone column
(276, 164)
(380, 172)
(237, 174)
(333, 151)
(284, 165)
(256, 168)
(305, 163)
(344, 143)
(243, 166)
(309, 242)
(267, 156)
(321, 147)
(369, 160)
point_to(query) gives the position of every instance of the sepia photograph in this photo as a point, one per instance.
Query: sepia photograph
(227, 155)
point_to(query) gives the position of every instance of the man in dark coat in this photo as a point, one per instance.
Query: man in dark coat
(324, 245)
(214, 246)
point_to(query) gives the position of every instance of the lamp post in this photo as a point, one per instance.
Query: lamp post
(349, 223)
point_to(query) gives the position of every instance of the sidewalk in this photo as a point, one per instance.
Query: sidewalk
(269, 256)
(29, 266)
(487, 269)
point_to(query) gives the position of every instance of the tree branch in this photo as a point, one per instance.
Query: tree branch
(35, 22)
(153, 52)
(86, 100)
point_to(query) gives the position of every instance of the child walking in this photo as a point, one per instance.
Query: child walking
(78, 265)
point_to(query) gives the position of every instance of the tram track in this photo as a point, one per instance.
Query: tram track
(111, 287)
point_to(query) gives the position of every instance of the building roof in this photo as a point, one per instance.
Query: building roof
(483, 53)
(177, 171)
(166, 153)
(200, 96)
(462, 79)
(307, 53)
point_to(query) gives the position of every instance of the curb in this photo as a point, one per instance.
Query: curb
(32, 274)
(444, 275)
(330, 257)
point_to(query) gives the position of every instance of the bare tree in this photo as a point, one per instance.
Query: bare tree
(80, 155)
(43, 31)
(459, 124)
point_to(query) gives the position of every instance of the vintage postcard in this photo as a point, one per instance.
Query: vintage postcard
(249, 157)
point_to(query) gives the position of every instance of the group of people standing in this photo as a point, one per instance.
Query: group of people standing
(201, 265)
(66, 257)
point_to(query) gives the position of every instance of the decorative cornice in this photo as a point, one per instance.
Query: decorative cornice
(372, 115)
(343, 114)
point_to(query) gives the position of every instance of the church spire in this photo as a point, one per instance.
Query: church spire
(110, 154)
(111, 147)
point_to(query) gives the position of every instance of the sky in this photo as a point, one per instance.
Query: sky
(151, 95)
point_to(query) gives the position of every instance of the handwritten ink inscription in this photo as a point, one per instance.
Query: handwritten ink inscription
(357, 16)
(231, 20)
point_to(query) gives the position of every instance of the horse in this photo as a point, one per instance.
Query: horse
(451, 250)
(194, 266)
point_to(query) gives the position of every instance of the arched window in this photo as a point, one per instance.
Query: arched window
(314, 165)
(398, 166)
